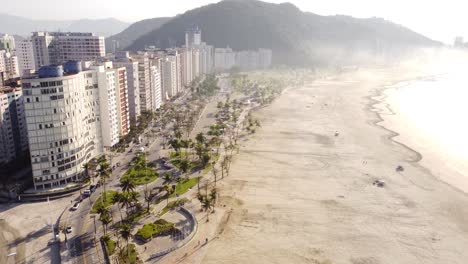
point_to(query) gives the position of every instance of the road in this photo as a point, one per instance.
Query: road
(83, 248)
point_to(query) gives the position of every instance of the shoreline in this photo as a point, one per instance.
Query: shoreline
(379, 97)
(298, 194)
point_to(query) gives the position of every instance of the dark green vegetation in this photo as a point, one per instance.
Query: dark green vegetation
(134, 31)
(140, 173)
(158, 228)
(109, 196)
(110, 244)
(296, 37)
(128, 255)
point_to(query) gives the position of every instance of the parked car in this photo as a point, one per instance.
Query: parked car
(87, 192)
(69, 229)
(92, 188)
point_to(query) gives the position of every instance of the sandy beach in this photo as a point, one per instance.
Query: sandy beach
(300, 194)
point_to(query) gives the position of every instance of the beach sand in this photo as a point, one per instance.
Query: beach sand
(300, 194)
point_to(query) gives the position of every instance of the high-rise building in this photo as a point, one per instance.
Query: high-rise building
(7, 43)
(13, 132)
(168, 78)
(63, 120)
(58, 47)
(25, 54)
(157, 96)
(108, 102)
(9, 65)
(192, 37)
(144, 79)
(72, 116)
(133, 87)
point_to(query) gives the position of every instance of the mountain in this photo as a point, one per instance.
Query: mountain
(296, 37)
(134, 31)
(24, 26)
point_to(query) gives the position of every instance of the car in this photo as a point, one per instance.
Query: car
(69, 229)
(92, 188)
(87, 192)
(75, 206)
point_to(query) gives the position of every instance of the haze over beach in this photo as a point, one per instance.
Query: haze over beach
(234, 131)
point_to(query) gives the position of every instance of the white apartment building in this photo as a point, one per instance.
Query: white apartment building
(168, 78)
(63, 122)
(9, 65)
(58, 47)
(13, 132)
(133, 85)
(123, 114)
(7, 43)
(25, 54)
(157, 96)
(192, 37)
(225, 59)
(195, 63)
(186, 62)
(144, 79)
(108, 102)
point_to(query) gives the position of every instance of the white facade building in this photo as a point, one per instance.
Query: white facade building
(133, 85)
(169, 78)
(25, 54)
(64, 126)
(13, 132)
(58, 47)
(157, 96)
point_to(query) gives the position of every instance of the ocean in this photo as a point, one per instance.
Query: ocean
(431, 117)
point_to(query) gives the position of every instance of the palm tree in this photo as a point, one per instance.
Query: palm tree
(133, 198)
(207, 205)
(149, 196)
(105, 217)
(169, 190)
(104, 172)
(184, 165)
(117, 199)
(200, 138)
(126, 232)
(127, 185)
(167, 177)
(86, 166)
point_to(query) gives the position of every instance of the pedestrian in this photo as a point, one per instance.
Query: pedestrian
(206, 241)
(198, 242)
(145, 248)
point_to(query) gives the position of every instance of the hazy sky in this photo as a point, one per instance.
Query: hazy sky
(440, 20)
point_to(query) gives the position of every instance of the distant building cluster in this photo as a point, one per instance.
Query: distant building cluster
(227, 59)
(66, 101)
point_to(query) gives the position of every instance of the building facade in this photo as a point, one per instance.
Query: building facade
(64, 124)
(25, 54)
(58, 47)
(133, 85)
(13, 132)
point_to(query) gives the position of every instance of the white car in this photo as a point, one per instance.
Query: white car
(69, 229)
(75, 206)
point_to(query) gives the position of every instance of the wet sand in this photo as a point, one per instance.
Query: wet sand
(300, 194)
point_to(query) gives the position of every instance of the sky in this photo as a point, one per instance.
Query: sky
(437, 19)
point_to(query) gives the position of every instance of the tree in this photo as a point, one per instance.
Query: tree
(200, 138)
(86, 166)
(169, 190)
(133, 198)
(117, 199)
(126, 232)
(104, 172)
(213, 195)
(105, 217)
(167, 177)
(207, 205)
(149, 196)
(184, 165)
(127, 185)
(205, 159)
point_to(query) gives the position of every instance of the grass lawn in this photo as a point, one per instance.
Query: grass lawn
(182, 187)
(140, 173)
(151, 230)
(131, 258)
(109, 195)
(172, 205)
